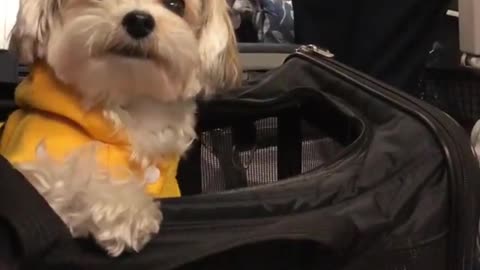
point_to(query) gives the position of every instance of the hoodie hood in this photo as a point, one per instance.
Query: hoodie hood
(42, 91)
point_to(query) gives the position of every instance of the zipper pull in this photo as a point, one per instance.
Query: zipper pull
(315, 49)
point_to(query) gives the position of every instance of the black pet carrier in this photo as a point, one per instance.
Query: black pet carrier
(315, 166)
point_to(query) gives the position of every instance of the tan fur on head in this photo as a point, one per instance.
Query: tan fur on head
(29, 36)
(218, 48)
(145, 86)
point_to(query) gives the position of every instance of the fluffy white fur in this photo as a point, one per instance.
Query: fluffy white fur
(149, 96)
(116, 212)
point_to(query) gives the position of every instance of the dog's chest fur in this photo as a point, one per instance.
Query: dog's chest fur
(155, 130)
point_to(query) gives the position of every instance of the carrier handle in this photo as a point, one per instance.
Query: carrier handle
(335, 233)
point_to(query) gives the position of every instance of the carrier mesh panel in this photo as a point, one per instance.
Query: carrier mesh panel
(222, 160)
(454, 91)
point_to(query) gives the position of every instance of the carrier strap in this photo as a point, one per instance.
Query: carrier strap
(23, 211)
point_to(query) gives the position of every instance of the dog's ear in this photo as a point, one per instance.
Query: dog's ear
(218, 48)
(30, 33)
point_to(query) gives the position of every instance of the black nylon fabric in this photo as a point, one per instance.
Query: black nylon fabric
(383, 203)
(24, 212)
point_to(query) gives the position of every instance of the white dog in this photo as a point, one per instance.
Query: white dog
(109, 107)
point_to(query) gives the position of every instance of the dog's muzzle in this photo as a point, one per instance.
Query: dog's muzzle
(131, 52)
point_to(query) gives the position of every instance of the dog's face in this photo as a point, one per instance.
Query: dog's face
(116, 50)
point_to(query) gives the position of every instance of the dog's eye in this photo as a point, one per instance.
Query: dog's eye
(176, 6)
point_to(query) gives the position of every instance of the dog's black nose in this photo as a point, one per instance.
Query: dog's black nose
(138, 24)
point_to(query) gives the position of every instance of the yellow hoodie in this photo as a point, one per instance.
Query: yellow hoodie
(51, 114)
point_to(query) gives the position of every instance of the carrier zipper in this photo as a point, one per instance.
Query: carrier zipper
(462, 195)
(315, 49)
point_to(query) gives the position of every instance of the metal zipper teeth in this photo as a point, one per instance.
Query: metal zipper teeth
(306, 51)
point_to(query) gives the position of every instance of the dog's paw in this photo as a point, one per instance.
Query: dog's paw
(124, 219)
(122, 228)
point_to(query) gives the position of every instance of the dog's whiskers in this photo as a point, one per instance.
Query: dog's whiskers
(110, 38)
(94, 30)
(144, 49)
